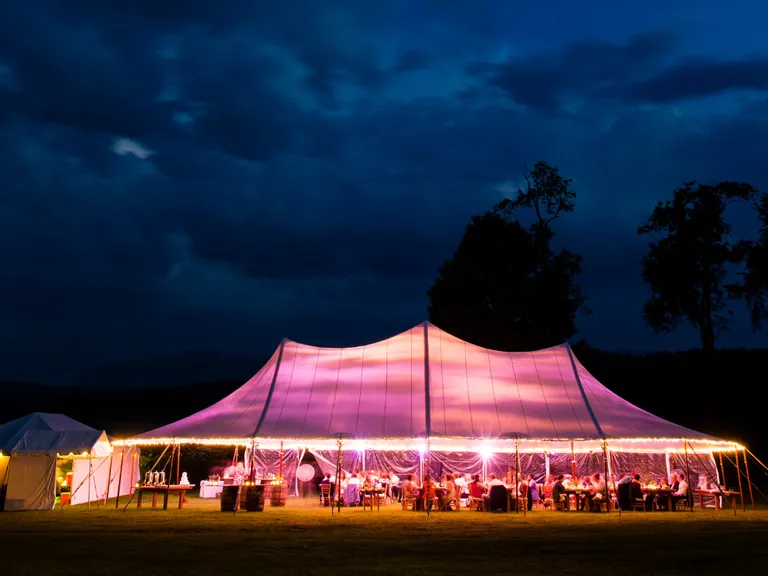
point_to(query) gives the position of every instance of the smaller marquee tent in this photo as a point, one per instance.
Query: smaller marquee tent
(30, 448)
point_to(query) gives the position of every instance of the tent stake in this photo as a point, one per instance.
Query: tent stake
(749, 480)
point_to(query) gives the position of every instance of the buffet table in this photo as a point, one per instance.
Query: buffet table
(180, 489)
(716, 495)
(211, 489)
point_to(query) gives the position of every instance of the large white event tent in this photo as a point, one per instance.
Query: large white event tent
(427, 395)
(30, 448)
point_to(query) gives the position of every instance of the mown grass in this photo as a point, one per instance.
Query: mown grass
(303, 538)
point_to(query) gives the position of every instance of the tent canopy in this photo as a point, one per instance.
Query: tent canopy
(51, 433)
(425, 383)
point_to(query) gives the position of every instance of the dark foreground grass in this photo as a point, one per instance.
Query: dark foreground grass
(305, 539)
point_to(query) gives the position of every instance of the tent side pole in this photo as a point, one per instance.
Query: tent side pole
(687, 471)
(516, 487)
(120, 475)
(546, 466)
(90, 478)
(738, 475)
(573, 462)
(178, 466)
(722, 471)
(134, 468)
(669, 467)
(606, 472)
(109, 477)
(300, 453)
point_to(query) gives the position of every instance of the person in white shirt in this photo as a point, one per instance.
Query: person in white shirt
(597, 492)
(682, 491)
(492, 481)
(461, 485)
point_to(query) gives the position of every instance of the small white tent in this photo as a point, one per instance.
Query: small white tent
(29, 449)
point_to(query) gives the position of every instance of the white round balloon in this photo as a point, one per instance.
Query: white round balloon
(305, 473)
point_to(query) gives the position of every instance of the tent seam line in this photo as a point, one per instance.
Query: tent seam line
(271, 390)
(583, 392)
(427, 399)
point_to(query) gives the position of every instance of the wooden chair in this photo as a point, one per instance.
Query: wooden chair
(638, 504)
(546, 501)
(325, 495)
(409, 502)
(475, 504)
(367, 500)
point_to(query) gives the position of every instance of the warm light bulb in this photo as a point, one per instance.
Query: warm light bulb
(85, 454)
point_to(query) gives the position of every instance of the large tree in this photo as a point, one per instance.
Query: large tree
(754, 288)
(505, 287)
(686, 268)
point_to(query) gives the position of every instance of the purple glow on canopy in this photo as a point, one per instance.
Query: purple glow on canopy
(378, 391)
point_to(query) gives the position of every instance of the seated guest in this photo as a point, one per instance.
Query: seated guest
(492, 481)
(461, 485)
(558, 492)
(682, 491)
(476, 489)
(623, 497)
(636, 491)
(409, 487)
(596, 492)
(394, 487)
(674, 483)
(450, 495)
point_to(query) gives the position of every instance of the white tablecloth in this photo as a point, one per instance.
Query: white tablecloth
(210, 490)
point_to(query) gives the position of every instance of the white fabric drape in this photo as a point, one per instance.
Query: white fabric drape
(31, 482)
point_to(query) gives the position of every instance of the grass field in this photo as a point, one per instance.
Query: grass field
(303, 538)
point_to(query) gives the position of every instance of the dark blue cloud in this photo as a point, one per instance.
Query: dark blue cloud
(221, 175)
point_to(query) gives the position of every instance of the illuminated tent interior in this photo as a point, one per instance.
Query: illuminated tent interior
(40, 451)
(427, 396)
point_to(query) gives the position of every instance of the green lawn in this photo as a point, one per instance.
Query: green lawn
(305, 539)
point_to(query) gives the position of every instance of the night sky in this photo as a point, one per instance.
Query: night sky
(219, 175)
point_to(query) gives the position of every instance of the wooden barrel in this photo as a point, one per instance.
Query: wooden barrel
(254, 498)
(230, 498)
(279, 495)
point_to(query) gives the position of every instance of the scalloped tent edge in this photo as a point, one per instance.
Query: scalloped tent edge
(424, 389)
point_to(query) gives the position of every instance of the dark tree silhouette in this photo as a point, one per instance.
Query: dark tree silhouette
(687, 268)
(546, 192)
(505, 288)
(754, 289)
